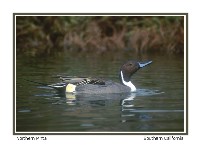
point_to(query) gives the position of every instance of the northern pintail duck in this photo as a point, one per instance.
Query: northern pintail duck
(98, 86)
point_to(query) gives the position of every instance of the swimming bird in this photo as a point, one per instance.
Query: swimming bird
(98, 86)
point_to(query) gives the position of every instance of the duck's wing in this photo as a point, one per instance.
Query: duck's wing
(92, 81)
(82, 80)
(73, 80)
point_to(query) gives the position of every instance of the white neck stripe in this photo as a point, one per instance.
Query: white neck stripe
(129, 84)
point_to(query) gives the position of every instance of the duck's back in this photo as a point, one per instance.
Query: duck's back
(108, 87)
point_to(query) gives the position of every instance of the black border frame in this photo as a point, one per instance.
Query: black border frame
(98, 133)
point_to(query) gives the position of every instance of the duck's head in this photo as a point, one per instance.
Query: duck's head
(129, 68)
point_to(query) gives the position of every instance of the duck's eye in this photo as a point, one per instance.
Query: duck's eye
(130, 64)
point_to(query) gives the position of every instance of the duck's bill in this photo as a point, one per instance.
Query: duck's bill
(143, 64)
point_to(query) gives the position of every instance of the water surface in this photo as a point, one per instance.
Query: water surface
(158, 105)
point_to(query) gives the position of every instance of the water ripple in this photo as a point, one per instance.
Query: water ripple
(148, 92)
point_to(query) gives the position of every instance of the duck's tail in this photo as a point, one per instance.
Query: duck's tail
(39, 83)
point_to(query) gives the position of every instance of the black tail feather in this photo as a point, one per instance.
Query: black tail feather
(43, 84)
(60, 87)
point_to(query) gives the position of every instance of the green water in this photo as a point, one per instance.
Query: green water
(158, 106)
